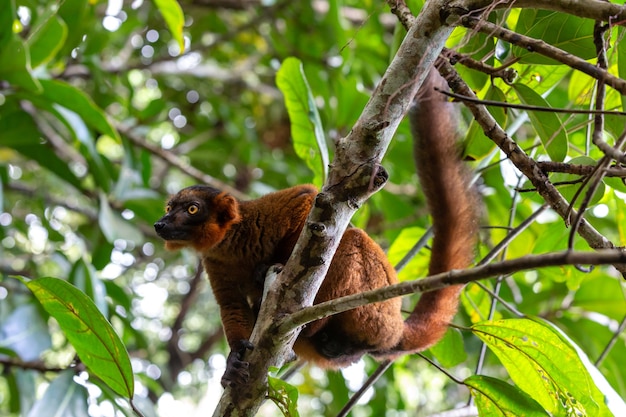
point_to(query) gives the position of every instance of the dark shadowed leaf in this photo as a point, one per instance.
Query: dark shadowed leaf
(47, 41)
(75, 100)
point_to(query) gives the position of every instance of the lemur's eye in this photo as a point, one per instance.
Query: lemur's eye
(168, 208)
(192, 209)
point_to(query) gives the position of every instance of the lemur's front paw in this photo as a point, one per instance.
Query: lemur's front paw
(236, 368)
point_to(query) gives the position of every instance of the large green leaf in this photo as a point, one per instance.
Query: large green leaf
(497, 398)
(15, 65)
(570, 33)
(47, 40)
(19, 131)
(306, 127)
(544, 365)
(115, 227)
(93, 337)
(7, 14)
(548, 125)
(174, 18)
(80, 103)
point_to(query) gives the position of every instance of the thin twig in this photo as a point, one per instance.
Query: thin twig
(528, 107)
(382, 368)
(609, 346)
(577, 169)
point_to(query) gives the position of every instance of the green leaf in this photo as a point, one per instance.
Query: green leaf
(77, 126)
(564, 31)
(93, 337)
(20, 132)
(284, 395)
(450, 351)
(477, 302)
(174, 18)
(621, 58)
(18, 127)
(7, 15)
(80, 103)
(64, 397)
(15, 65)
(544, 365)
(406, 240)
(601, 294)
(47, 41)
(83, 276)
(114, 227)
(497, 398)
(548, 125)
(306, 127)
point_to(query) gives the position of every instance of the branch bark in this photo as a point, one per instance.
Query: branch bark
(591, 9)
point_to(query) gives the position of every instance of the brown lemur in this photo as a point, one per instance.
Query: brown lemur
(236, 239)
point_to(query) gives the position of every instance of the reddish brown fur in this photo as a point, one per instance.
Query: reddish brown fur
(236, 239)
(452, 206)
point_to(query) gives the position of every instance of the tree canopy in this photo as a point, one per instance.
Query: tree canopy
(109, 107)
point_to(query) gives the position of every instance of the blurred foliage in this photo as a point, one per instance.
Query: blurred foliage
(105, 109)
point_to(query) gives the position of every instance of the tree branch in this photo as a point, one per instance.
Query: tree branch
(543, 48)
(615, 14)
(445, 279)
(37, 365)
(526, 164)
